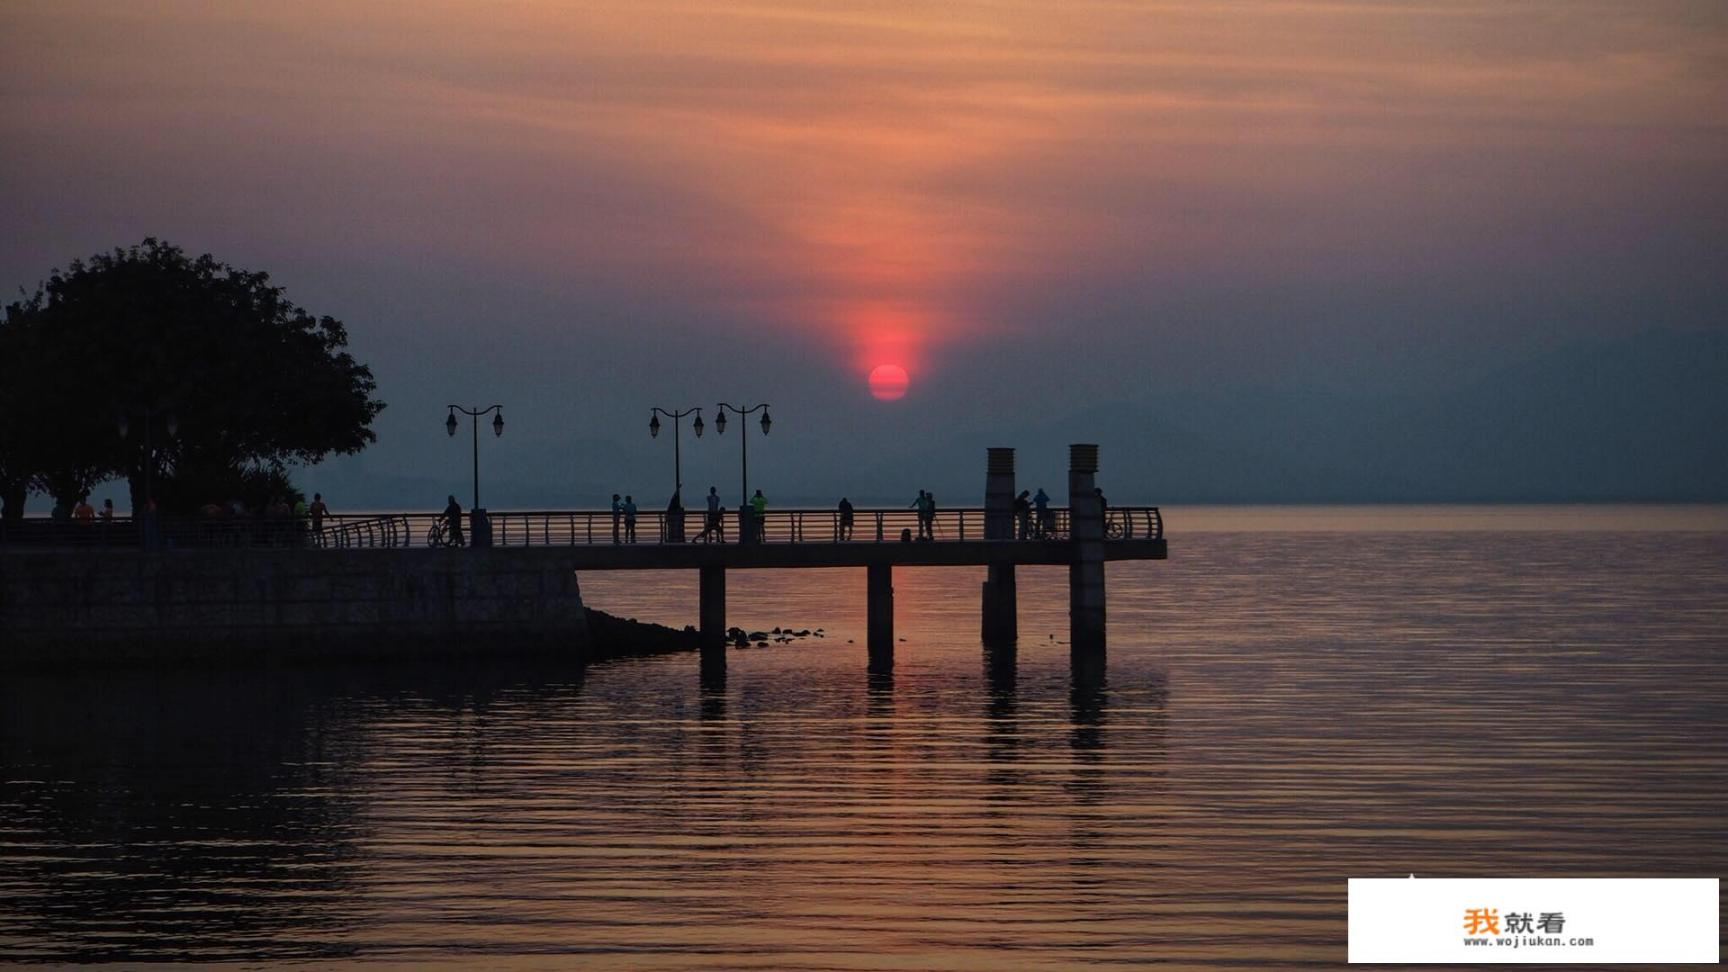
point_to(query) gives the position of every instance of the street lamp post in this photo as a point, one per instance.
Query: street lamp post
(677, 456)
(480, 534)
(744, 471)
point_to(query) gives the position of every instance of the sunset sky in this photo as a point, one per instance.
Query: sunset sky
(583, 209)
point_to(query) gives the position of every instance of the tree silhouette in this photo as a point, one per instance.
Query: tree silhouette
(210, 364)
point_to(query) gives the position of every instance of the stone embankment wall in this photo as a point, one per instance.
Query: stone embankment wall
(99, 607)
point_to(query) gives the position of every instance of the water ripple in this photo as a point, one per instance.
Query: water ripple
(1280, 712)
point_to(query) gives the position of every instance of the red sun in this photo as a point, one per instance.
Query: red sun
(888, 382)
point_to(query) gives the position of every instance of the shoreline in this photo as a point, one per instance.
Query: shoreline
(225, 607)
(610, 637)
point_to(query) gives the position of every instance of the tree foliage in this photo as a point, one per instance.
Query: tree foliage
(211, 364)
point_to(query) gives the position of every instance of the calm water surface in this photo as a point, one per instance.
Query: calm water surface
(1280, 711)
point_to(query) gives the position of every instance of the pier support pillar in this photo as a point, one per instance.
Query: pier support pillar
(880, 616)
(1001, 601)
(1086, 570)
(1001, 606)
(713, 618)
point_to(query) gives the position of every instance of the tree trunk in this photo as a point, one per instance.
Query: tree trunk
(12, 497)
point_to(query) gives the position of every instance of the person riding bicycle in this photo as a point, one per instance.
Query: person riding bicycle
(453, 521)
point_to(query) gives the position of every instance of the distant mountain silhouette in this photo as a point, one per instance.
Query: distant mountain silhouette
(1643, 418)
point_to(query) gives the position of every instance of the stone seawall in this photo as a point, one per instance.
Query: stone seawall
(78, 606)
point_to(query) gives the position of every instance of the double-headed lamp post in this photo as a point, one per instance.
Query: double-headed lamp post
(677, 453)
(497, 429)
(720, 427)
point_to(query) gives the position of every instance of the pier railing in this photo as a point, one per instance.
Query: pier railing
(873, 525)
(520, 528)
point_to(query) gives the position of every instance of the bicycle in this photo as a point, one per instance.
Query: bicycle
(438, 535)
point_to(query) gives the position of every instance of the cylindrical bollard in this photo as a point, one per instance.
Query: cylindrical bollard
(1000, 606)
(1086, 613)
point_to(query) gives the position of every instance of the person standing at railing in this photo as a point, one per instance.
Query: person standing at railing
(84, 514)
(617, 514)
(1023, 513)
(281, 521)
(453, 521)
(846, 513)
(715, 524)
(107, 513)
(925, 504)
(1046, 517)
(759, 511)
(318, 511)
(629, 518)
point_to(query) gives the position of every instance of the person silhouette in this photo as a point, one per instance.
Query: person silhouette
(926, 506)
(1023, 513)
(617, 515)
(453, 521)
(713, 525)
(629, 518)
(846, 514)
(759, 514)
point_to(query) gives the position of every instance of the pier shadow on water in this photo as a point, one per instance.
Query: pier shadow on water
(193, 815)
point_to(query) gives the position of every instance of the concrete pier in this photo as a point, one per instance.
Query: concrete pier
(72, 608)
(712, 613)
(1001, 600)
(377, 584)
(879, 615)
(1086, 570)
